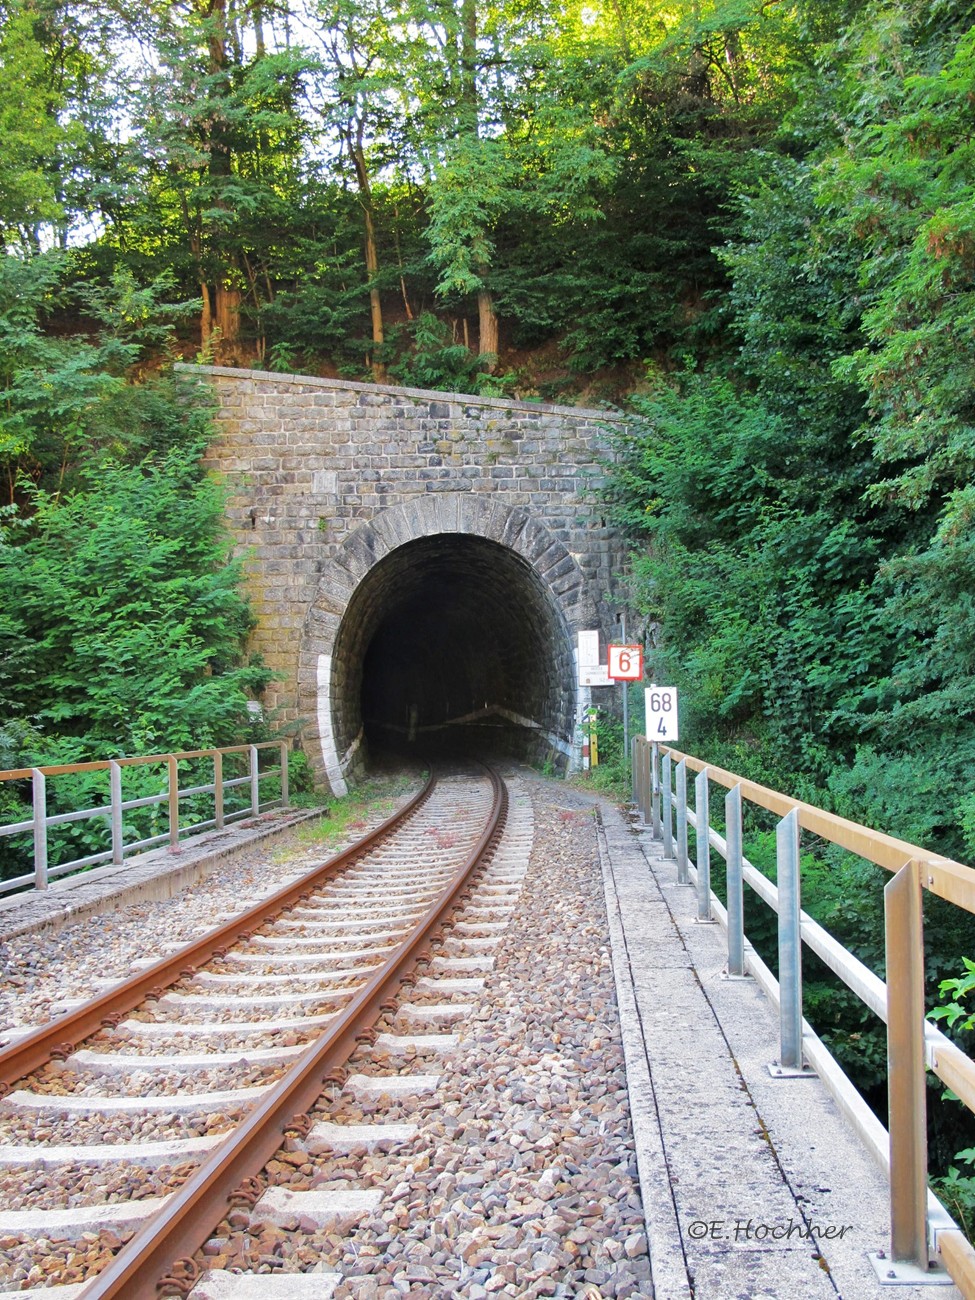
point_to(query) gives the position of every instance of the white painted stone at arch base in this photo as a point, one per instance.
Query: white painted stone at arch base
(330, 757)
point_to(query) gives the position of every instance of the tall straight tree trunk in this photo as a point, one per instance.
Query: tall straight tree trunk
(487, 320)
(206, 314)
(227, 295)
(487, 330)
(371, 252)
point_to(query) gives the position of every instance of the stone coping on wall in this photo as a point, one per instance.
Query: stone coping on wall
(389, 390)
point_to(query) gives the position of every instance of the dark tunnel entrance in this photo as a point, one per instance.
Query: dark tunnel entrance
(453, 644)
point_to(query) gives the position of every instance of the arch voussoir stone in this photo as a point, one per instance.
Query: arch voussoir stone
(556, 576)
(441, 513)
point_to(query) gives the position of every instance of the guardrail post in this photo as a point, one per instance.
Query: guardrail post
(790, 942)
(115, 787)
(653, 783)
(682, 873)
(635, 772)
(667, 810)
(40, 827)
(218, 789)
(255, 784)
(172, 767)
(736, 908)
(906, 1067)
(285, 793)
(702, 845)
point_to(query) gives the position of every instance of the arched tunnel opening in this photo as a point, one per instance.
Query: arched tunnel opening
(453, 645)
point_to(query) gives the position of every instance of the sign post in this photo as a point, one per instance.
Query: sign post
(626, 708)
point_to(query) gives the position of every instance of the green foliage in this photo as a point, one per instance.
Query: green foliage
(31, 133)
(433, 360)
(803, 512)
(131, 625)
(64, 399)
(957, 1192)
(747, 572)
(957, 989)
(955, 1188)
(471, 188)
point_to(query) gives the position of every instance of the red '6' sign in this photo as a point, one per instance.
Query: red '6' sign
(625, 663)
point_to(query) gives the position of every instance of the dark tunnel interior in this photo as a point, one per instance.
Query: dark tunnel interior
(453, 645)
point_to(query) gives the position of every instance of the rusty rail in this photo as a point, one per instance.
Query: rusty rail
(161, 1246)
(68, 1030)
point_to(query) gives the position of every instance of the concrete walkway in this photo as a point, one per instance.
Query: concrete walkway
(754, 1188)
(157, 874)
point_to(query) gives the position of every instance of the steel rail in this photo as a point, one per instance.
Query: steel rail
(67, 1031)
(189, 1216)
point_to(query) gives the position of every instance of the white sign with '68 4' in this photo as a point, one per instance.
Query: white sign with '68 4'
(661, 702)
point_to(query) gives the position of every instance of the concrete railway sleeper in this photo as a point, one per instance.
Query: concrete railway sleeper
(211, 1080)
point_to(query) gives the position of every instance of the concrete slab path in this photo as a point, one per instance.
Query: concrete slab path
(754, 1188)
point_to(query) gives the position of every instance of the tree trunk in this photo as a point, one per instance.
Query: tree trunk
(468, 63)
(375, 302)
(227, 296)
(227, 314)
(399, 261)
(206, 315)
(371, 252)
(487, 326)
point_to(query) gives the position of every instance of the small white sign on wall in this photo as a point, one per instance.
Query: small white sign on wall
(661, 702)
(595, 676)
(588, 650)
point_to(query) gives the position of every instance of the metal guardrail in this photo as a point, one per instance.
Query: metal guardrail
(115, 806)
(919, 1223)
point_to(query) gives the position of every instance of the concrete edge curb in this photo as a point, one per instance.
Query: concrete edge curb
(665, 1247)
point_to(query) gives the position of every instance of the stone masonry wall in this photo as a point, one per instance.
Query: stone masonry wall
(309, 461)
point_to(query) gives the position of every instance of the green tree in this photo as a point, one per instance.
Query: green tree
(122, 627)
(213, 161)
(65, 400)
(32, 133)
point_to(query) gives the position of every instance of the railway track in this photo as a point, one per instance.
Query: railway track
(206, 1096)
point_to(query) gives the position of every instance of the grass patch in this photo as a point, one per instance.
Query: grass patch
(347, 816)
(610, 779)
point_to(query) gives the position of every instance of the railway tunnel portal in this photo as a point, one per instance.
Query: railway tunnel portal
(419, 563)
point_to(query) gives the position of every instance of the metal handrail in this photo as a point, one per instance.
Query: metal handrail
(41, 821)
(918, 1221)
